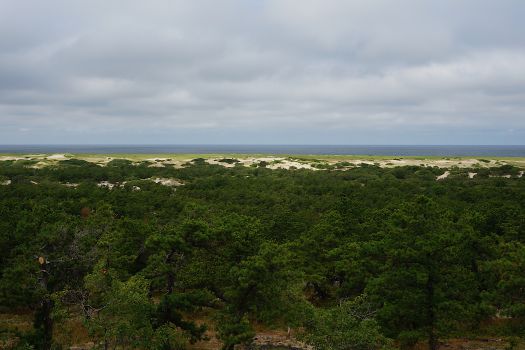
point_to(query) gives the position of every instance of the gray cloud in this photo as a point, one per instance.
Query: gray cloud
(262, 71)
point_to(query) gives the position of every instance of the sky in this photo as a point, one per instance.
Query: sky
(262, 72)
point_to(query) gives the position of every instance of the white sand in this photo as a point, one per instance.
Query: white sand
(162, 181)
(167, 182)
(276, 162)
(39, 165)
(224, 164)
(288, 164)
(67, 184)
(156, 159)
(443, 176)
(4, 158)
(106, 184)
(57, 157)
(272, 163)
(156, 165)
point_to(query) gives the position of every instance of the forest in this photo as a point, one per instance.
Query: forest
(142, 257)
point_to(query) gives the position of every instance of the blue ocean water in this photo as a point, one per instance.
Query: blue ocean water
(379, 150)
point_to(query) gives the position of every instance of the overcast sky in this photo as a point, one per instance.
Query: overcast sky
(262, 71)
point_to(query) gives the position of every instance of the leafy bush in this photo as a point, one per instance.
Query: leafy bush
(350, 325)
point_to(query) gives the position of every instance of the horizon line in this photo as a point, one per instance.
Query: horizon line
(254, 144)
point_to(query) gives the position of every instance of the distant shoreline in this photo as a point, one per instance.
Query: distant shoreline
(345, 151)
(140, 155)
(180, 156)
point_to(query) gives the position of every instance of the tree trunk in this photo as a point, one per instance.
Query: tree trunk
(47, 323)
(170, 283)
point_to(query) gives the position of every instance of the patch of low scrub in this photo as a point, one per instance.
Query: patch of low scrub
(229, 160)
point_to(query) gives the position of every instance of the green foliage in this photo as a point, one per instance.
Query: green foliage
(122, 163)
(233, 331)
(508, 296)
(250, 245)
(425, 286)
(349, 325)
(261, 285)
(123, 315)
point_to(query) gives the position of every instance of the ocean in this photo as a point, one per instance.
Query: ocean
(372, 150)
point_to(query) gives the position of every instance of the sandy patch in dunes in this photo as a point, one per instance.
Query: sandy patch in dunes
(289, 164)
(57, 157)
(310, 164)
(281, 162)
(276, 163)
(224, 164)
(171, 182)
(177, 164)
(106, 184)
(157, 159)
(67, 184)
(167, 181)
(440, 163)
(164, 162)
(271, 162)
(5, 182)
(443, 176)
(39, 165)
(5, 158)
(471, 175)
(157, 162)
(156, 165)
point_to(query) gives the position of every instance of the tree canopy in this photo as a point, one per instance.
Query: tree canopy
(365, 258)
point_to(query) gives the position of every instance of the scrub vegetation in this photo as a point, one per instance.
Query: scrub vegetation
(131, 255)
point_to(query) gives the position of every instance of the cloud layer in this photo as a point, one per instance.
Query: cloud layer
(262, 71)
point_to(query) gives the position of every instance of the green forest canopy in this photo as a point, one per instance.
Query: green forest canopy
(364, 258)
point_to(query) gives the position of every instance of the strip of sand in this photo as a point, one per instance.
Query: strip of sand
(310, 162)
